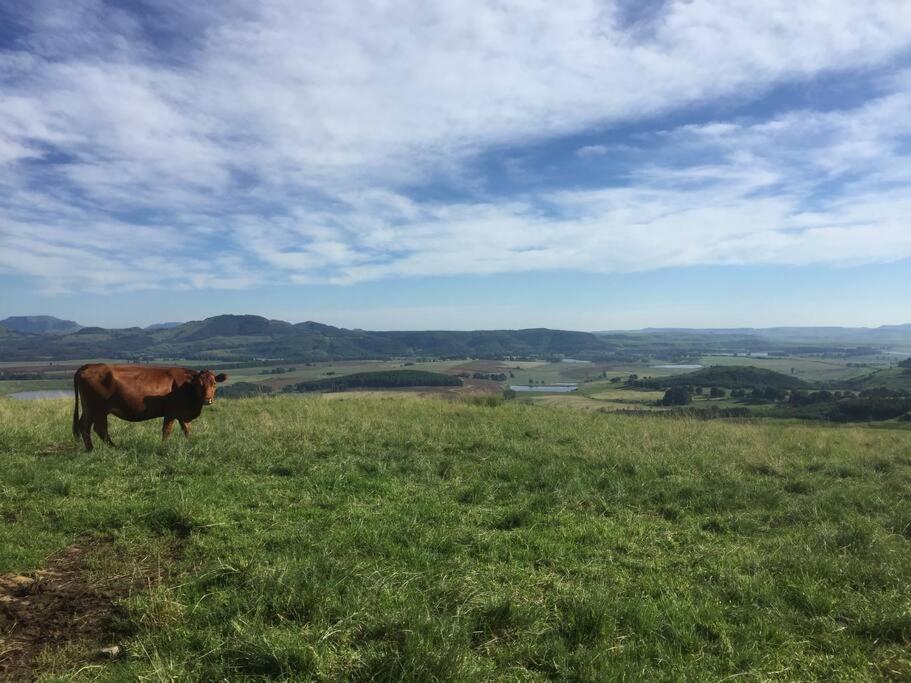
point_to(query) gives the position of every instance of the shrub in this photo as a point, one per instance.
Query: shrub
(676, 396)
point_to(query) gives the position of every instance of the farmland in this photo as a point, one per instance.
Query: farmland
(600, 385)
(426, 538)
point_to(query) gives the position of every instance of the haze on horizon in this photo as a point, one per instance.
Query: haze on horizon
(592, 165)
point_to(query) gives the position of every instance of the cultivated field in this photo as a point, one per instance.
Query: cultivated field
(426, 539)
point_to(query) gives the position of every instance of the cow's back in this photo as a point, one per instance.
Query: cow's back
(132, 392)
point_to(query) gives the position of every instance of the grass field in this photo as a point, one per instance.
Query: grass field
(812, 370)
(14, 386)
(424, 539)
(832, 372)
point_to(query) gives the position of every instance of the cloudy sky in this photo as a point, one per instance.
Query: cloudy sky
(464, 164)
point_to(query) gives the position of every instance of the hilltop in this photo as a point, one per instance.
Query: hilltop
(728, 377)
(39, 324)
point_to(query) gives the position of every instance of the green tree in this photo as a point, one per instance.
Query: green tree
(676, 396)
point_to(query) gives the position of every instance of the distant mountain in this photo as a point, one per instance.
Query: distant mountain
(230, 326)
(160, 326)
(885, 334)
(253, 337)
(243, 338)
(39, 324)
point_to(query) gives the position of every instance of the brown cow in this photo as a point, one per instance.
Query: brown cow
(136, 393)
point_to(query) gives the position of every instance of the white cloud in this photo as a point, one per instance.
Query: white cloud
(592, 151)
(280, 139)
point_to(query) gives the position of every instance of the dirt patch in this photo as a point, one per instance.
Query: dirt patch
(60, 447)
(482, 386)
(59, 605)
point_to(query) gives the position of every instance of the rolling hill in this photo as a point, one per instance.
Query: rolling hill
(240, 338)
(249, 337)
(39, 324)
(728, 377)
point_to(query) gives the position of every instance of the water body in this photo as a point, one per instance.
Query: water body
(37, 395)
(695, 366)
(551, 389)
(574, 360)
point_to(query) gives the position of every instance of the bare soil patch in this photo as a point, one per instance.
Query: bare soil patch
(60, 605)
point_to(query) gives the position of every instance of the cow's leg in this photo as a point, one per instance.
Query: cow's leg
(85, 428)
(167, 427)
(101, 428)
(185, 426)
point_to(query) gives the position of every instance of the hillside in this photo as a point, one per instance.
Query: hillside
(440, 540)
(249, 337)
(38, 324)
(728, 377)
(388, 379)
(891, 378)
(245, 337)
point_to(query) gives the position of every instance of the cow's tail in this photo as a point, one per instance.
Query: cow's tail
(76, 403)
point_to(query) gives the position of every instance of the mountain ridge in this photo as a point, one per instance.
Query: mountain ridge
(39, 324)
(247, 337)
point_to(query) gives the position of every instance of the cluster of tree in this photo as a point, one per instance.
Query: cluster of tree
(869, 409)
(885, 392)
(768, 394)
(905, 364)
(620, 357)
(5, 375)
(860, 351)
(495, 376)
(730, 377)
(280, 370)
(677, 396)
(390, 379)
(805, 398)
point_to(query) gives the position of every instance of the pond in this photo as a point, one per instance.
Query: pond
(35, 395)
(552, 388)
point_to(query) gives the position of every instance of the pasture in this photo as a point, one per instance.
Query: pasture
(591, 377)
(809, 369)
(430, 539)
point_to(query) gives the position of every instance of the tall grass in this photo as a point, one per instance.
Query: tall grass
(441, 540)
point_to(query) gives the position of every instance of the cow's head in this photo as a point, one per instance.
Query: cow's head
(205, 382)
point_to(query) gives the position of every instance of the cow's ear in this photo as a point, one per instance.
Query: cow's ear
(221, 377)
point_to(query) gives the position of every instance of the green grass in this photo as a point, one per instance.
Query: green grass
(12, 386)
(891, 378)
(424, 539)
(811, 370)
(315, 371)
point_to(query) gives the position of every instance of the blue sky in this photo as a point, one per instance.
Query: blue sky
(586, 165)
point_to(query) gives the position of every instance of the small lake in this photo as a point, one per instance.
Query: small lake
(575, 360)
(695, 366)
(37, 395)
(551, 389)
